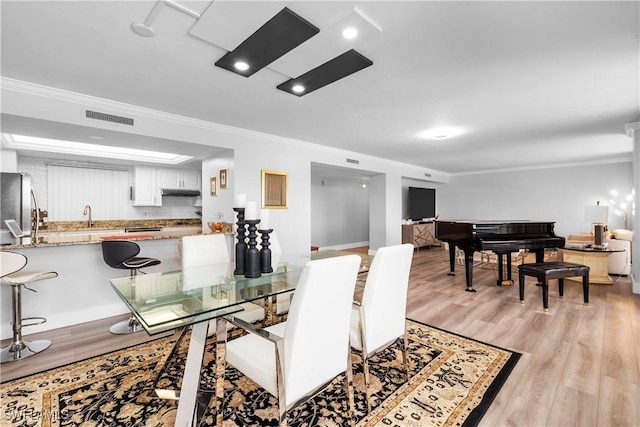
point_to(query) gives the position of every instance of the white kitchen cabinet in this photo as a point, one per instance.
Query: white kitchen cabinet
(178, 178)
(146, 190)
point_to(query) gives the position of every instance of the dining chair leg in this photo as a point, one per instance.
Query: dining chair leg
(405, 355)
(282, 401)
(348, 378)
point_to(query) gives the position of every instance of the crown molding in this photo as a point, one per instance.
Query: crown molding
(549, 166)
(93, 102)
(630, 128)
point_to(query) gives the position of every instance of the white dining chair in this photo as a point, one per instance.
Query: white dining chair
(379, 320)
(211, 250)
(293, 359)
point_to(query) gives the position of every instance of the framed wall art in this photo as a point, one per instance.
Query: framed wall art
(274, 189)
(213, 183)
(224, 174)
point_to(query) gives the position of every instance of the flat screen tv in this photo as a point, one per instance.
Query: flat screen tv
(422, 203)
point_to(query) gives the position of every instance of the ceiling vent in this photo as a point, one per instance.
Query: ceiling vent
(354, 161)
(108, 118)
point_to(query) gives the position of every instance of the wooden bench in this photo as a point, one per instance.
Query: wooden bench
(544, 271)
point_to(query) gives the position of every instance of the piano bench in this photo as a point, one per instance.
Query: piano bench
(544, 271)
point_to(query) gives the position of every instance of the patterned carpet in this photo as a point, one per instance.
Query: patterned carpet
(454, 380)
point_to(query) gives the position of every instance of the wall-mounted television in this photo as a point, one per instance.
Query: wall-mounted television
(421, 203)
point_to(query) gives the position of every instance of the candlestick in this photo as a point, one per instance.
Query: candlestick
(241, 200)
(264, 219)
(241, 246)
(252, 262)
(265, 252)
(250, 211)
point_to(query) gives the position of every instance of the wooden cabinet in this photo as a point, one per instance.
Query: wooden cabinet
(177, 178)
(420, 235)
(146, 191)
(148, 183)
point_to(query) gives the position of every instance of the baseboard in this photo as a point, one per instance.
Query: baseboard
(344, 246)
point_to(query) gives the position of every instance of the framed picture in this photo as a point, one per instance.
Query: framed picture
(274, 189)
(214, 186)
(224, 173)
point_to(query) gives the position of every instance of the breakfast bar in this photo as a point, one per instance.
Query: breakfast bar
(81, 292)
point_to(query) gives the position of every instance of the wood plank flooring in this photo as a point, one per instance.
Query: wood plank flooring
(580, 364)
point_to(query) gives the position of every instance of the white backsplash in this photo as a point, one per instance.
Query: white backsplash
(172, 207)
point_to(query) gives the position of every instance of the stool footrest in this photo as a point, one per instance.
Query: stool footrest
(35, 321)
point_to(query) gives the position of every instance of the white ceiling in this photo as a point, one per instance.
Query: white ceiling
(529, 83)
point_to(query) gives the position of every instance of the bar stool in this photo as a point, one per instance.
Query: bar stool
(11, 264)
(122, 254)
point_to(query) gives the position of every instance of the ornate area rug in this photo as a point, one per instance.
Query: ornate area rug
(454, 380)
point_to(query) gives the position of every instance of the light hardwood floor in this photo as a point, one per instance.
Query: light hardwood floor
(580, 365)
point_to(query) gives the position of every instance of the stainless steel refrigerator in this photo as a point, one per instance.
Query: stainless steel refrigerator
(15, 203)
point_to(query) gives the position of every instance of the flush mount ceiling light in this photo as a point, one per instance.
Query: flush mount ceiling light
(339, 67)
(94, 150)
(144, 29)
(282, 33)
(350, 33)
(440, 133)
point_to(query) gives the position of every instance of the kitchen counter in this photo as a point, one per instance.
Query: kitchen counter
(88, 236)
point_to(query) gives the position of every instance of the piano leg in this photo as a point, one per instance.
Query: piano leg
(501, 269)
(539, 255)
(468, 269)
(452, 259)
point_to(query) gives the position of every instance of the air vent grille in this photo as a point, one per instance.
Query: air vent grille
(427, 175)
(109, 118)
(354, 161)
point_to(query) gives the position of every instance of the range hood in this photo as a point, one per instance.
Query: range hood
(180, 192)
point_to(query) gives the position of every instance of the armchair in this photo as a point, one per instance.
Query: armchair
(293, 359)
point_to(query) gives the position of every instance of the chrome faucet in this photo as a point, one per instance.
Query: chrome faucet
(87, 211)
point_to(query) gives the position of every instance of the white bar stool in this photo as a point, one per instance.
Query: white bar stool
(11, 264)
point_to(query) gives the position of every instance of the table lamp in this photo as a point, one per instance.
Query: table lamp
(598, 216)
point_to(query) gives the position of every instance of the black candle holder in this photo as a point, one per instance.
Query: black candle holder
(252, 261)
(241, 245)
(265, 252)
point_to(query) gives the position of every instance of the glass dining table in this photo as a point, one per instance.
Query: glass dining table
(191, 298)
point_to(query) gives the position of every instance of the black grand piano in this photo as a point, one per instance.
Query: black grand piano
(501, 237)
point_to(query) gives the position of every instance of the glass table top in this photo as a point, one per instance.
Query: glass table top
(169, 300)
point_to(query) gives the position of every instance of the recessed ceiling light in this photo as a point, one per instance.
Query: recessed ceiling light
(298, 88)
(440, 133)
(241, 66)
(93, 150)
(350, 33)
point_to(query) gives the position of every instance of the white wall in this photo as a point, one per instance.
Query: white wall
(552, 194)
(339, 212)
(223, 203)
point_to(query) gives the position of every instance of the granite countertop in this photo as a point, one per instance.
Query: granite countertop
(50, 239)
(78, 233)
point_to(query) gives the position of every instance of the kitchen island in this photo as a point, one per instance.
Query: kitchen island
(81, 292)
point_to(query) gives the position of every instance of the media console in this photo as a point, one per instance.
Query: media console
(420, 235)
